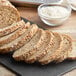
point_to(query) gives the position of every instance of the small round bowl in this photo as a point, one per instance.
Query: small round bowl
(72, 4)
(53, 21)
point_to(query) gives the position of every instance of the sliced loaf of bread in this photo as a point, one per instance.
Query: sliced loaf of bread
(14, 35)
(20, 41)
(66, 48)
(31, 47)
(8, 14)
(49, 57)
(43, 48)
(9, 29)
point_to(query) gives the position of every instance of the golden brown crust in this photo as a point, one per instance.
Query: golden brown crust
(52, 54)
(47, 41)
(17, 43)
(12, 28)
(14, 35)
(65, 52)
(39, 36)
(56, 55)
(9, 14)
(37, 46)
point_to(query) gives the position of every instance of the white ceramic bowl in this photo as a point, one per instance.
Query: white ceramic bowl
(54, 21)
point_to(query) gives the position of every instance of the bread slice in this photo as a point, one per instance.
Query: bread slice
(8, 14)
(49, 57)
(11, 28)
(72, 55)
(46, 45)
(31, 47)
(8, 38)
(20, 41)
(66, 48)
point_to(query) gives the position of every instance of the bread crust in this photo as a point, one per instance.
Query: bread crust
(57, 55)
(34, 48)
(42, 51)
(14, 35)
(8, 30)
(17, 43)
(54, 53)
(9, 14)
(65, 52)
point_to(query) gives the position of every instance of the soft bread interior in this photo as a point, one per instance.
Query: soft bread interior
(8, 16)
(66, 48)
(14, 35)
(73, 53)
(47, 37)
(56, 44)
(29, 46)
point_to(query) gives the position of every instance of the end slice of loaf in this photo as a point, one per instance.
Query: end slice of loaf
(47, 41)
(14, 35)
(72, 55)
(49, 57)
(66, 48)
(20, 41)
(31, 47)
(9, 29)
(8, 14)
